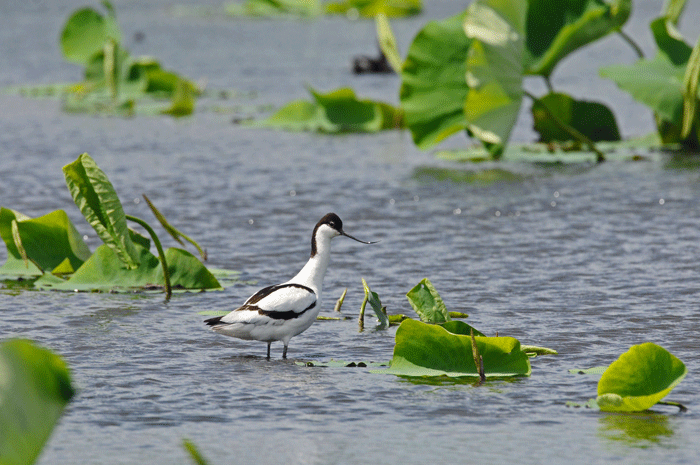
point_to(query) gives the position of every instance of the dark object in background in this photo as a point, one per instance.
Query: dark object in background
(364, 64)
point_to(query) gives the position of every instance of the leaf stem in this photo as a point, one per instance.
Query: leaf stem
(361, 319)
(339, 302)
(573, 132)
(161, 254)
(680, 406)
(637, 49)
(478, 360)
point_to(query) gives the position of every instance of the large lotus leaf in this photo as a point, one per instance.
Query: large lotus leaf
(640, 378)
(494, 70)
(103, 272)
(430, 350)
(49, 241)
(555, 29)
(655, 83)
(371, 8)
(86, 32)
(35, 387)
(427, 303)
(98, 201)
(433, 89)
(592, 119)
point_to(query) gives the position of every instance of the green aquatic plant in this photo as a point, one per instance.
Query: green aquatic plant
(427, 350)
(427, 303)
(639, 379)
(466, 72)
(114, 81)
(376, 304)
(123, 262)
(371, 8)
(337, 111)
(667, 83)
(48, 243)
(35, 387)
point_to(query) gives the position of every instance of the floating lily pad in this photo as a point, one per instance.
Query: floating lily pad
(640, 378)
(35, 387)
(430, 350)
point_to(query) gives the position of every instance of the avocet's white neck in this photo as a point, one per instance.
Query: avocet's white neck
(315, 269)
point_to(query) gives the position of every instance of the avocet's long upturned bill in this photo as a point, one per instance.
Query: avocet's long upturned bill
(280, 312)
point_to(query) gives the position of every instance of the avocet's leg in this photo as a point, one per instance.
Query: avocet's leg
(284, 352)
(268, 350)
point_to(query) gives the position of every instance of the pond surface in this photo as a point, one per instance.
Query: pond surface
(588, 260)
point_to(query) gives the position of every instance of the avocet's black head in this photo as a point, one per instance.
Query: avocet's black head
(334, 222)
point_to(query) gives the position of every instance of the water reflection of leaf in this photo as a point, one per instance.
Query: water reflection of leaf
(636, 430)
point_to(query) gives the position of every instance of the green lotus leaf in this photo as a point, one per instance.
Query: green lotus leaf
(334, 112)
(102, 272)
(640, 378)
(554, 29)
(48, 241)
(98, 201)
(495, 70)
(430, 350)
(427, 303)
(35, 387)
(433, 89)
(86, 32)
(670, 41)
(655, 83)
(592, 119)
(371, 8)
(460, 327)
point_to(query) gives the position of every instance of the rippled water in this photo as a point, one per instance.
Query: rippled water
(588, 260)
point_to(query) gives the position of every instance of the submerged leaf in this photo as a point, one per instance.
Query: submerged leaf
(35, 387)
(430, 350)
(640, 378)
(98, 201)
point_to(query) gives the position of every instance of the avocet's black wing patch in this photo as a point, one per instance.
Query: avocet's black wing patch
(278, 302)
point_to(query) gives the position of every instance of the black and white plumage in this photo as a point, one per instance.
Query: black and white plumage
(280, 312)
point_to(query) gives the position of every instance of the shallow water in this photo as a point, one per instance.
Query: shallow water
(588, 260)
